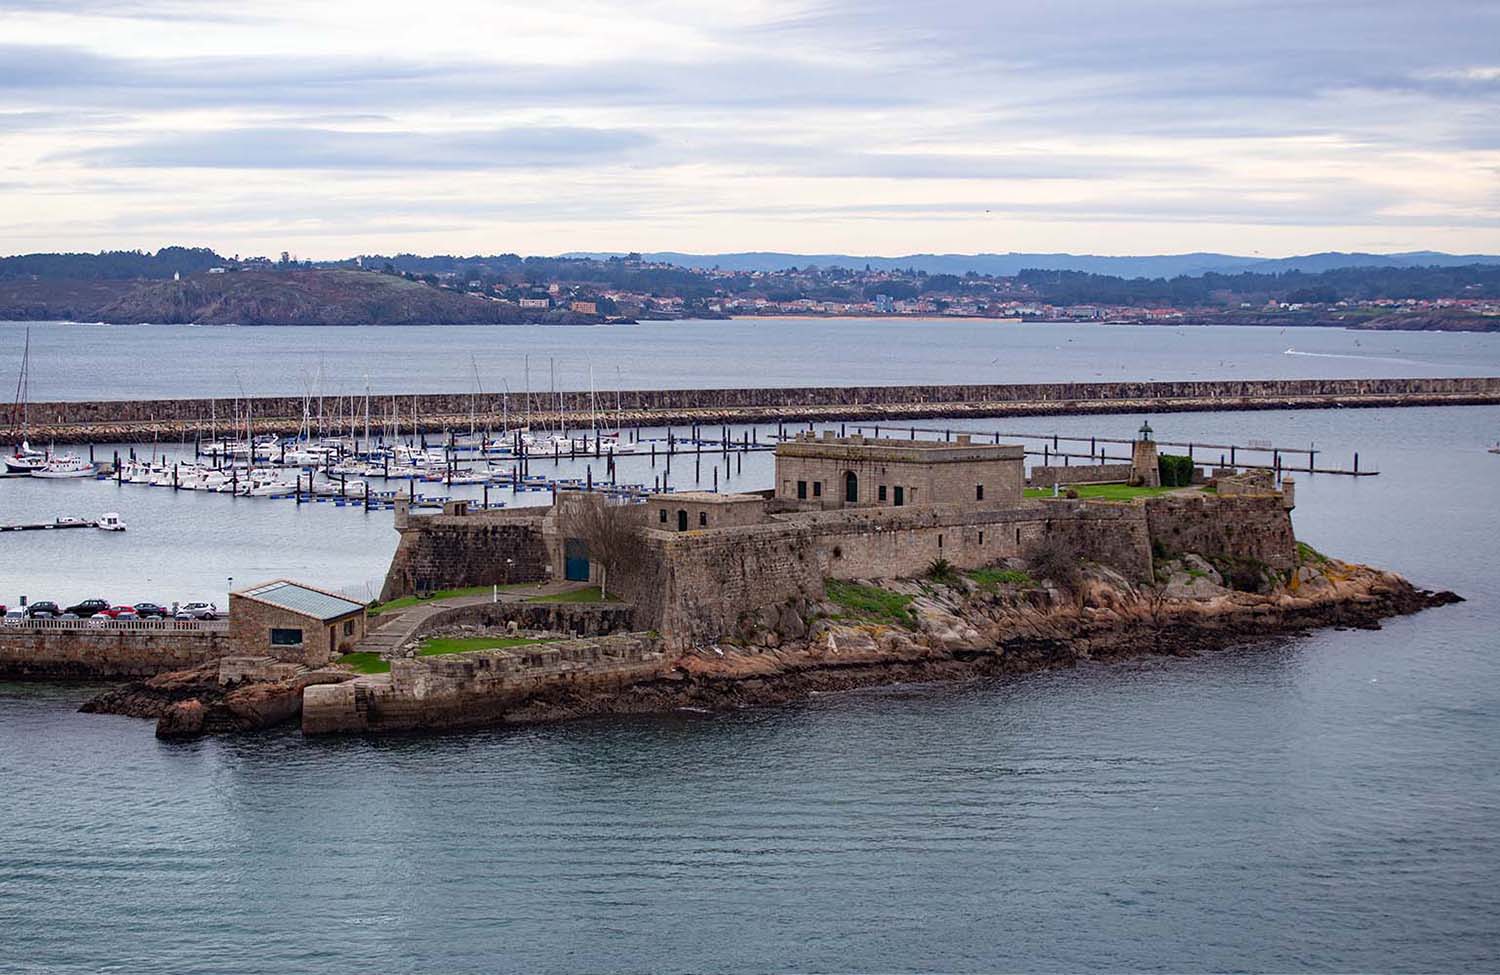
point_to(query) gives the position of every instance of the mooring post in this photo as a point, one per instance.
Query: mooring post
(1356, 462)
(716, 478)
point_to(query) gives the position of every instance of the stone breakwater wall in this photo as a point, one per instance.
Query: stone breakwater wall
(125, 420)
(481, 687)
(106, 654)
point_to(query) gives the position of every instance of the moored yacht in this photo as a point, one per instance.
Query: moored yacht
(65, 466)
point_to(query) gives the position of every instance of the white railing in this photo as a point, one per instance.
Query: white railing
(152, 626)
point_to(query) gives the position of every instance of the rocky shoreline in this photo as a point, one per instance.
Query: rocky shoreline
(944, 630)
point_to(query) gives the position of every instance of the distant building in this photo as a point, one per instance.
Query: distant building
(536, 302)
(585, 307)
(885, 304)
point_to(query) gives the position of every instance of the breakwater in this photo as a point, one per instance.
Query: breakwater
(124, 420)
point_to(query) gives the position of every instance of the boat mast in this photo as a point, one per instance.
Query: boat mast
(22, 409)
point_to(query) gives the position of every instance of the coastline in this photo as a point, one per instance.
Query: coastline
(956, 632)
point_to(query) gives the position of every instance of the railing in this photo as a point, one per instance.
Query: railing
(150, 626)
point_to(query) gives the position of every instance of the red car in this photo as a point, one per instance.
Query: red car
(118, 612)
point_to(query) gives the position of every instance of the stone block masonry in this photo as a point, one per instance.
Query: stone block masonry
(1080, 474)
(128, 420)
(105, 654)
(457, 551)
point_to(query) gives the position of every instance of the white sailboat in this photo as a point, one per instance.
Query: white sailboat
(24, 459)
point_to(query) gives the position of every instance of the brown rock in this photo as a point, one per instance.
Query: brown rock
(182, 720)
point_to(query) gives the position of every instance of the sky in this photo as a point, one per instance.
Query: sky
(885, 127)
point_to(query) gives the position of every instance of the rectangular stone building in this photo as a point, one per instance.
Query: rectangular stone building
(860, 472)
(693, 510)
(295, 622)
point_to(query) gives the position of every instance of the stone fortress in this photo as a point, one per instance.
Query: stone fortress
(842, 508)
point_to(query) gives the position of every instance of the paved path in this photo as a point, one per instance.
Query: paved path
(395, 632)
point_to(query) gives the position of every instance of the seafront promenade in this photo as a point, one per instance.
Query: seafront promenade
(113, 421)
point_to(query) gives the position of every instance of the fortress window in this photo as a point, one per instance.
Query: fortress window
(801, 490)
(882, 492)
(851, 488)
(1018, 536)
(817, 489)
(940, 543)
(979, 492)
(900, 495)
(703, 519)
(663, 513)
(285, 638)
(981, 538)
(349, 628)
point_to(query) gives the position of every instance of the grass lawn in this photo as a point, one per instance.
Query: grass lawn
(992, 578)
(366, 663)
(437, 646)
(589, 594)
(406, 601)
(870, 602)
(1103, 492)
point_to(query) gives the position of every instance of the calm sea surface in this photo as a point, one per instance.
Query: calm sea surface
(1326, 803)
(79, 362)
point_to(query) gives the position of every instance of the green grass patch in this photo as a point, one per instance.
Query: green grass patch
(438, 646)
(994, 578)
(407, 601)
(1306, 553)
(588, 595)
(870, 602)
(366, 663)
(1102, 492)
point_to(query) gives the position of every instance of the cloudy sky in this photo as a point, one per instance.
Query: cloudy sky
(868, 126)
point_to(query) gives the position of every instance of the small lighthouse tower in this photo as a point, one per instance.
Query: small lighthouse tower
(1143, 467)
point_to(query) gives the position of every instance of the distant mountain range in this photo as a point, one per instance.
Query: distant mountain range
(1007, 265)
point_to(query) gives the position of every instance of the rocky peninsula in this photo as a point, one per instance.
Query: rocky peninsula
(1001, 622)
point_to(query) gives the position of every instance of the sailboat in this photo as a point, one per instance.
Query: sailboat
(24, 459)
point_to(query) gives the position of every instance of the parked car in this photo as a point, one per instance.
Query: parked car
(13, 618)
(151, 611)
(70, 616)
(113, 612)
(201, 611)
(123, 613)
(43, 609)
(89, 607)
(183, 616)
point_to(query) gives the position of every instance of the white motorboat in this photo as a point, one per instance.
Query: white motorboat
(110, 522)
(25, 459)
(66, 466)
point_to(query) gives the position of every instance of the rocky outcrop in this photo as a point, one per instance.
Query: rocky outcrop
(204, 700)
(953, 629)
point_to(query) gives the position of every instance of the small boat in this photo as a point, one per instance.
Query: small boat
(67, 466)
(25, 459)
(1495, 449)
(110, 522)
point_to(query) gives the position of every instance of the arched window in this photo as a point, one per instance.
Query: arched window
(681, 520)
(851, 488)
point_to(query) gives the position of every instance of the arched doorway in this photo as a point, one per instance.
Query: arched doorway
(681, 520)
(851, 488)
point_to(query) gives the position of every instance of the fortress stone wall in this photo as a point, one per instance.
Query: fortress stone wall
(456, 550)
(1046, 476)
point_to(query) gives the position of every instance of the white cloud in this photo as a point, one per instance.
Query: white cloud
(954, 125)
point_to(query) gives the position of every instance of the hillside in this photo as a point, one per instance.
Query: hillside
(301, 297)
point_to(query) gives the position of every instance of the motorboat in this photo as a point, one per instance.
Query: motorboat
(65, 466)
(110, 522)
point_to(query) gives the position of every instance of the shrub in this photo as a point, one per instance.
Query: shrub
(1052, 557)
(941, 570)
(1176, 470)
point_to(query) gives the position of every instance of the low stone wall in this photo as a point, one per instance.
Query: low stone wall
(479, 688)
(579, 619)
(455, 551)
(1081, 474)
(106, 654)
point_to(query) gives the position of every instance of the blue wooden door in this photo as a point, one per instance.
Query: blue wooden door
(576, 560)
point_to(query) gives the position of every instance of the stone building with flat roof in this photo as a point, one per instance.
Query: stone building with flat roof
(692, 510)
(292, 621)
(825, 472)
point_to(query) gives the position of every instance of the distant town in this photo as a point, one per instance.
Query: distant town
(199, 285)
